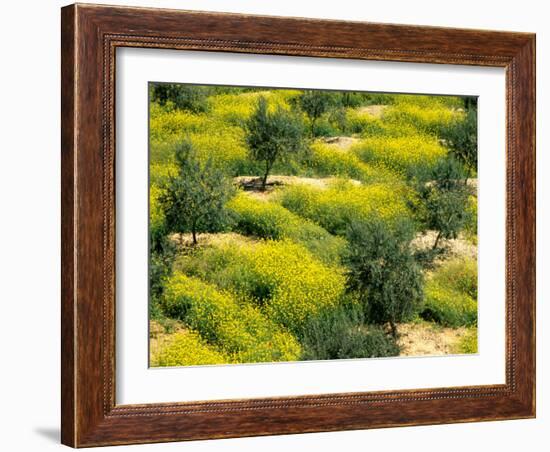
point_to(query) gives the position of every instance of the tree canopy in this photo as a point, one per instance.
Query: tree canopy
(271, 135)
(194, 199)
(315, 103)
(383, 272)
(443, 203)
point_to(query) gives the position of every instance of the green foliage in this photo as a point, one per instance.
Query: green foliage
(269, 220)
(353, 99)
(341, 204)
(442, 203)
(157, 221)
(315, 103)
(382, 270)
(341, 334)
(460, 137)
(357, 99)
(324, 127)
(161, 252)
(187, 348)
(239, 329)
(272, 135)
(182, 97)
(451, 294)
(160, 269)
(194, 200)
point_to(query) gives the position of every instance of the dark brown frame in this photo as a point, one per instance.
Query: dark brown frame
(90, 35)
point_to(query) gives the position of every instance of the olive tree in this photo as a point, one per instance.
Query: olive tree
(194, 199)
(443, 201)
(272, 135)
(382, 271)
(315, 103)
(461, 138)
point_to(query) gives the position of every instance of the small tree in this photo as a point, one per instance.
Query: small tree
(194, 200)
(183, 97)
(315, 104)
(443, 205)
(461, 139)
(272, 135)
(383, 272)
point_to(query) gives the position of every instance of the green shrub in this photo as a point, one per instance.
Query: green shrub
(180, 96)
(451, 294)
(383, 272)
(187, 348)
(341, 334)
(324, 128)
(269, 220)
(315, 103)
(161, 258)
(338, 206)
(460, 136)
(239, 329)
(157, 227)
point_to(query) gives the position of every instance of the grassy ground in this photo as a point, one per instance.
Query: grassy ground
(246, 294)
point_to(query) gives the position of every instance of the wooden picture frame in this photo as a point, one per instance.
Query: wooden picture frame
(90, 36)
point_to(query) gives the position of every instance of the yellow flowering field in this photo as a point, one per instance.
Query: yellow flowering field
(289, 224)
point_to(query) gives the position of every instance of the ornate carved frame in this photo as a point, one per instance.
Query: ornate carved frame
(90, 36)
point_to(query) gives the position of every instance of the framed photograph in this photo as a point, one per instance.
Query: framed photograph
(281, 225)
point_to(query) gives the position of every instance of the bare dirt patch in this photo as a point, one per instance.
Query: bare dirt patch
(341, 143)
(473, 185)
(210, 239)
(423, 339)
(373, 110)
(252, 184)
(459, 247)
